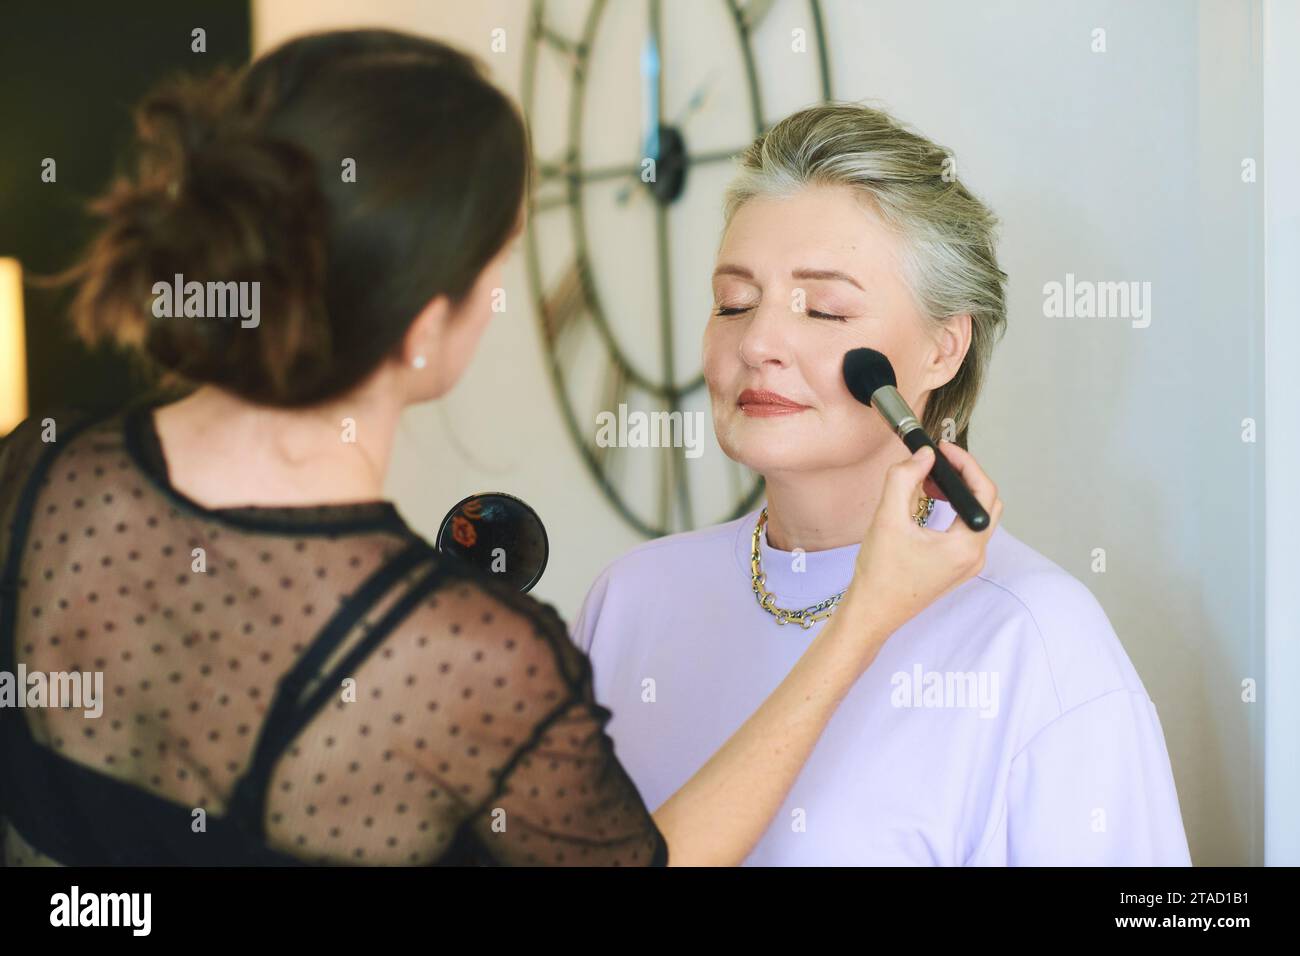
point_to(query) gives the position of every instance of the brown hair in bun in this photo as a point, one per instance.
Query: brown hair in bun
(239, 179)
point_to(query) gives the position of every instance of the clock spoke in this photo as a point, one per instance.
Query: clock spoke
(563, 169)
(714, 156)
(614, 392)
(665, 299)
(572, 51)
(682, 483)
(550, 203)
(600, 174)
(665, 488)
(692, 386)
(597, 174)
(562, 308)
(753, 12)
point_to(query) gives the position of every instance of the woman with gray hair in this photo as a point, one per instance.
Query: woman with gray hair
(1004, 724)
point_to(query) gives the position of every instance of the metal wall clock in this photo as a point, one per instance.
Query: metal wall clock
(636, 109)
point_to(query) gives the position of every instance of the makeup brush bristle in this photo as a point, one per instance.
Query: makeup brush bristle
(866, 370)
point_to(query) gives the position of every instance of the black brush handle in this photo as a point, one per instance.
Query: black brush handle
(950, 483)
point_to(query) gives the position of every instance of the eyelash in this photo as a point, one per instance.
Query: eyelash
(815, 315)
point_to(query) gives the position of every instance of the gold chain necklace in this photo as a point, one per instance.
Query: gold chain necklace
(809, 616)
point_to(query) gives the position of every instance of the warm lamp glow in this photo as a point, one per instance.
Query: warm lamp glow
(13, 348)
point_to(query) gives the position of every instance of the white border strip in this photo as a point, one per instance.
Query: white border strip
(1281, 685)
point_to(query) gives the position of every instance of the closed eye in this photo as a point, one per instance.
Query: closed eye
(815, 315)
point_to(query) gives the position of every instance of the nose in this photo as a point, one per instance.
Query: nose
(764, 341)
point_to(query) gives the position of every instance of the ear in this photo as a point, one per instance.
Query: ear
(950, 346)
(425, 335)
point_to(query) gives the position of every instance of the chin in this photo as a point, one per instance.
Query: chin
(769, 445)
(772, 444)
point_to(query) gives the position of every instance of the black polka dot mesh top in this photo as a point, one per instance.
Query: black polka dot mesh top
(279, 685)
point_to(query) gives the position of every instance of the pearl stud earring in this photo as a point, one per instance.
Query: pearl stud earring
(418, 361)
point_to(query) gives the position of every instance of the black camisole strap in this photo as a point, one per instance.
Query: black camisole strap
(289, 713)
(328, 684)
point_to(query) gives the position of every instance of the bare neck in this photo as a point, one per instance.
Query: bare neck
(222, 451)
(817, 511)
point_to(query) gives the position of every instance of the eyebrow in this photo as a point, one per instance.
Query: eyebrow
(735, 270)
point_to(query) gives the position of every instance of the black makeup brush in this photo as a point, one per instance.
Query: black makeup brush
(871, 379)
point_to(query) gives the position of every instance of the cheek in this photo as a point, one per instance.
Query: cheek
(821, 365)
(714, 361)
(908, 357)
(842, 414)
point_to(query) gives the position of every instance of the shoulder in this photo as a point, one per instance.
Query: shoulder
(477, 664)
(676, 555)
(47, 424)
(1061, 621)
(51, 431)
(54, 429)
(631, 583)
(474, 616)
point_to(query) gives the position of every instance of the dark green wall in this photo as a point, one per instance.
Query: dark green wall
(69, 75)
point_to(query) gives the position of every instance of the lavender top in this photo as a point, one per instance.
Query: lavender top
(1003, 725)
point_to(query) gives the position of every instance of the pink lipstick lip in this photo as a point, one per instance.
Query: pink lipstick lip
(771, 411)
(763, 402)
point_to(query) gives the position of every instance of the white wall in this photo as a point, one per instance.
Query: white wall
(1115, 166)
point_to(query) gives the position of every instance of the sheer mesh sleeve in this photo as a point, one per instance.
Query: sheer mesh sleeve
(319, 681)
(563, 798)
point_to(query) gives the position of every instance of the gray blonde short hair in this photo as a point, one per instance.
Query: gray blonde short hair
(949, 260)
